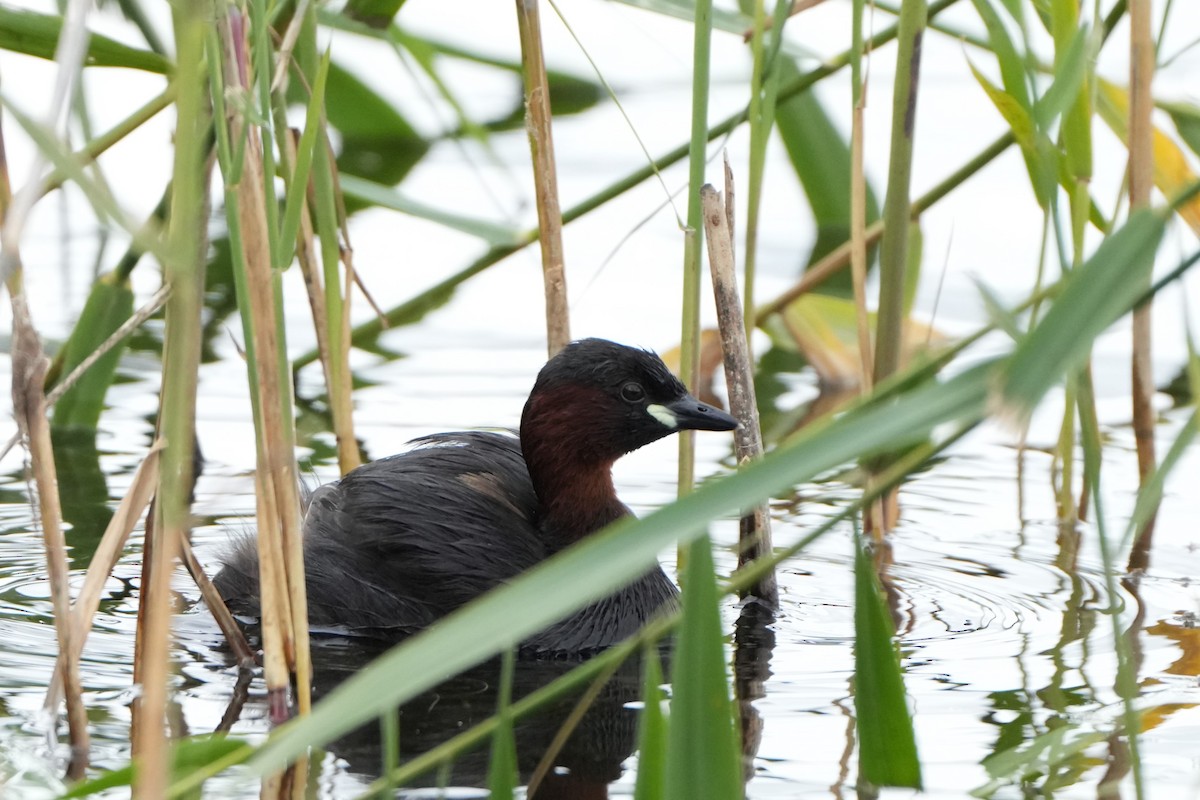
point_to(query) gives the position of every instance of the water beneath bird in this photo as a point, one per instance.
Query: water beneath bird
(1003, 617)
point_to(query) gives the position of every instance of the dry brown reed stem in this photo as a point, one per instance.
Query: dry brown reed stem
(139, 639)
(216, 606)
(1141, 181)
(754, 529)
(281, 558)
(278, 508)
(29, 365)
(730, 220)
(112, 544)
(545, 178)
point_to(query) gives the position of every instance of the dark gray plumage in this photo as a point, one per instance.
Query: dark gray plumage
(400, 542)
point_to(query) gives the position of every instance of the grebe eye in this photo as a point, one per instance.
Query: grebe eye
(633, 392)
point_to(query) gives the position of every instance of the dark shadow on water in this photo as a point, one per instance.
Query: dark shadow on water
(588, 762)
(753, 644)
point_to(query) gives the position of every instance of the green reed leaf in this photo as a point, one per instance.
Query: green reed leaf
(37, 35)
(1093, 298)
(887, 748)
(388, 197)
(375, 13)
(1012, 64)
(703, 758)
(1035, 147)
(298, 186)
(1186, 117)
(652, 732)
(1077, 119)
(108, 306)
(1068, 83)
(502, 767)
(186, 755)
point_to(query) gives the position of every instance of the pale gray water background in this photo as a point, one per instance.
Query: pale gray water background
(992, 628)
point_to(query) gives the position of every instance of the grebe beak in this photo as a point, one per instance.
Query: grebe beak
(688, 413)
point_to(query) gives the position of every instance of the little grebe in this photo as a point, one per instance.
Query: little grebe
(402, 541)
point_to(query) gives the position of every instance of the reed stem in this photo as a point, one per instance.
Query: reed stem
(754, 530)
(538, 124)
(897, 211)
(1141, 181)
(284, 608)
(764, 88)
(689, 337)
(858, 198)
(184, 272)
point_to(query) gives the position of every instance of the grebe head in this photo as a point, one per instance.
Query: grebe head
(597, 400)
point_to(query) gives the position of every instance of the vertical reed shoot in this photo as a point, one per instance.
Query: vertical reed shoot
(184, 272)
(689, 337)
(1141, 181)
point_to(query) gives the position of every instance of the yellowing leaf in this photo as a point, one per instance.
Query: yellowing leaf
(1171, 171)
(825, 331)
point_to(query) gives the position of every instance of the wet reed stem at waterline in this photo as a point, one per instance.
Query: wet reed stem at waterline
(171, 522)
(254, 240)
(754, 529)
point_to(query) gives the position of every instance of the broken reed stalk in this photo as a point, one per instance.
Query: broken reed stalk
(184, 272)
(29, 366)
(216, 606)
(284, 604)
(545, 178)
(897, 212)
(1141, 181)
(754, 529)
